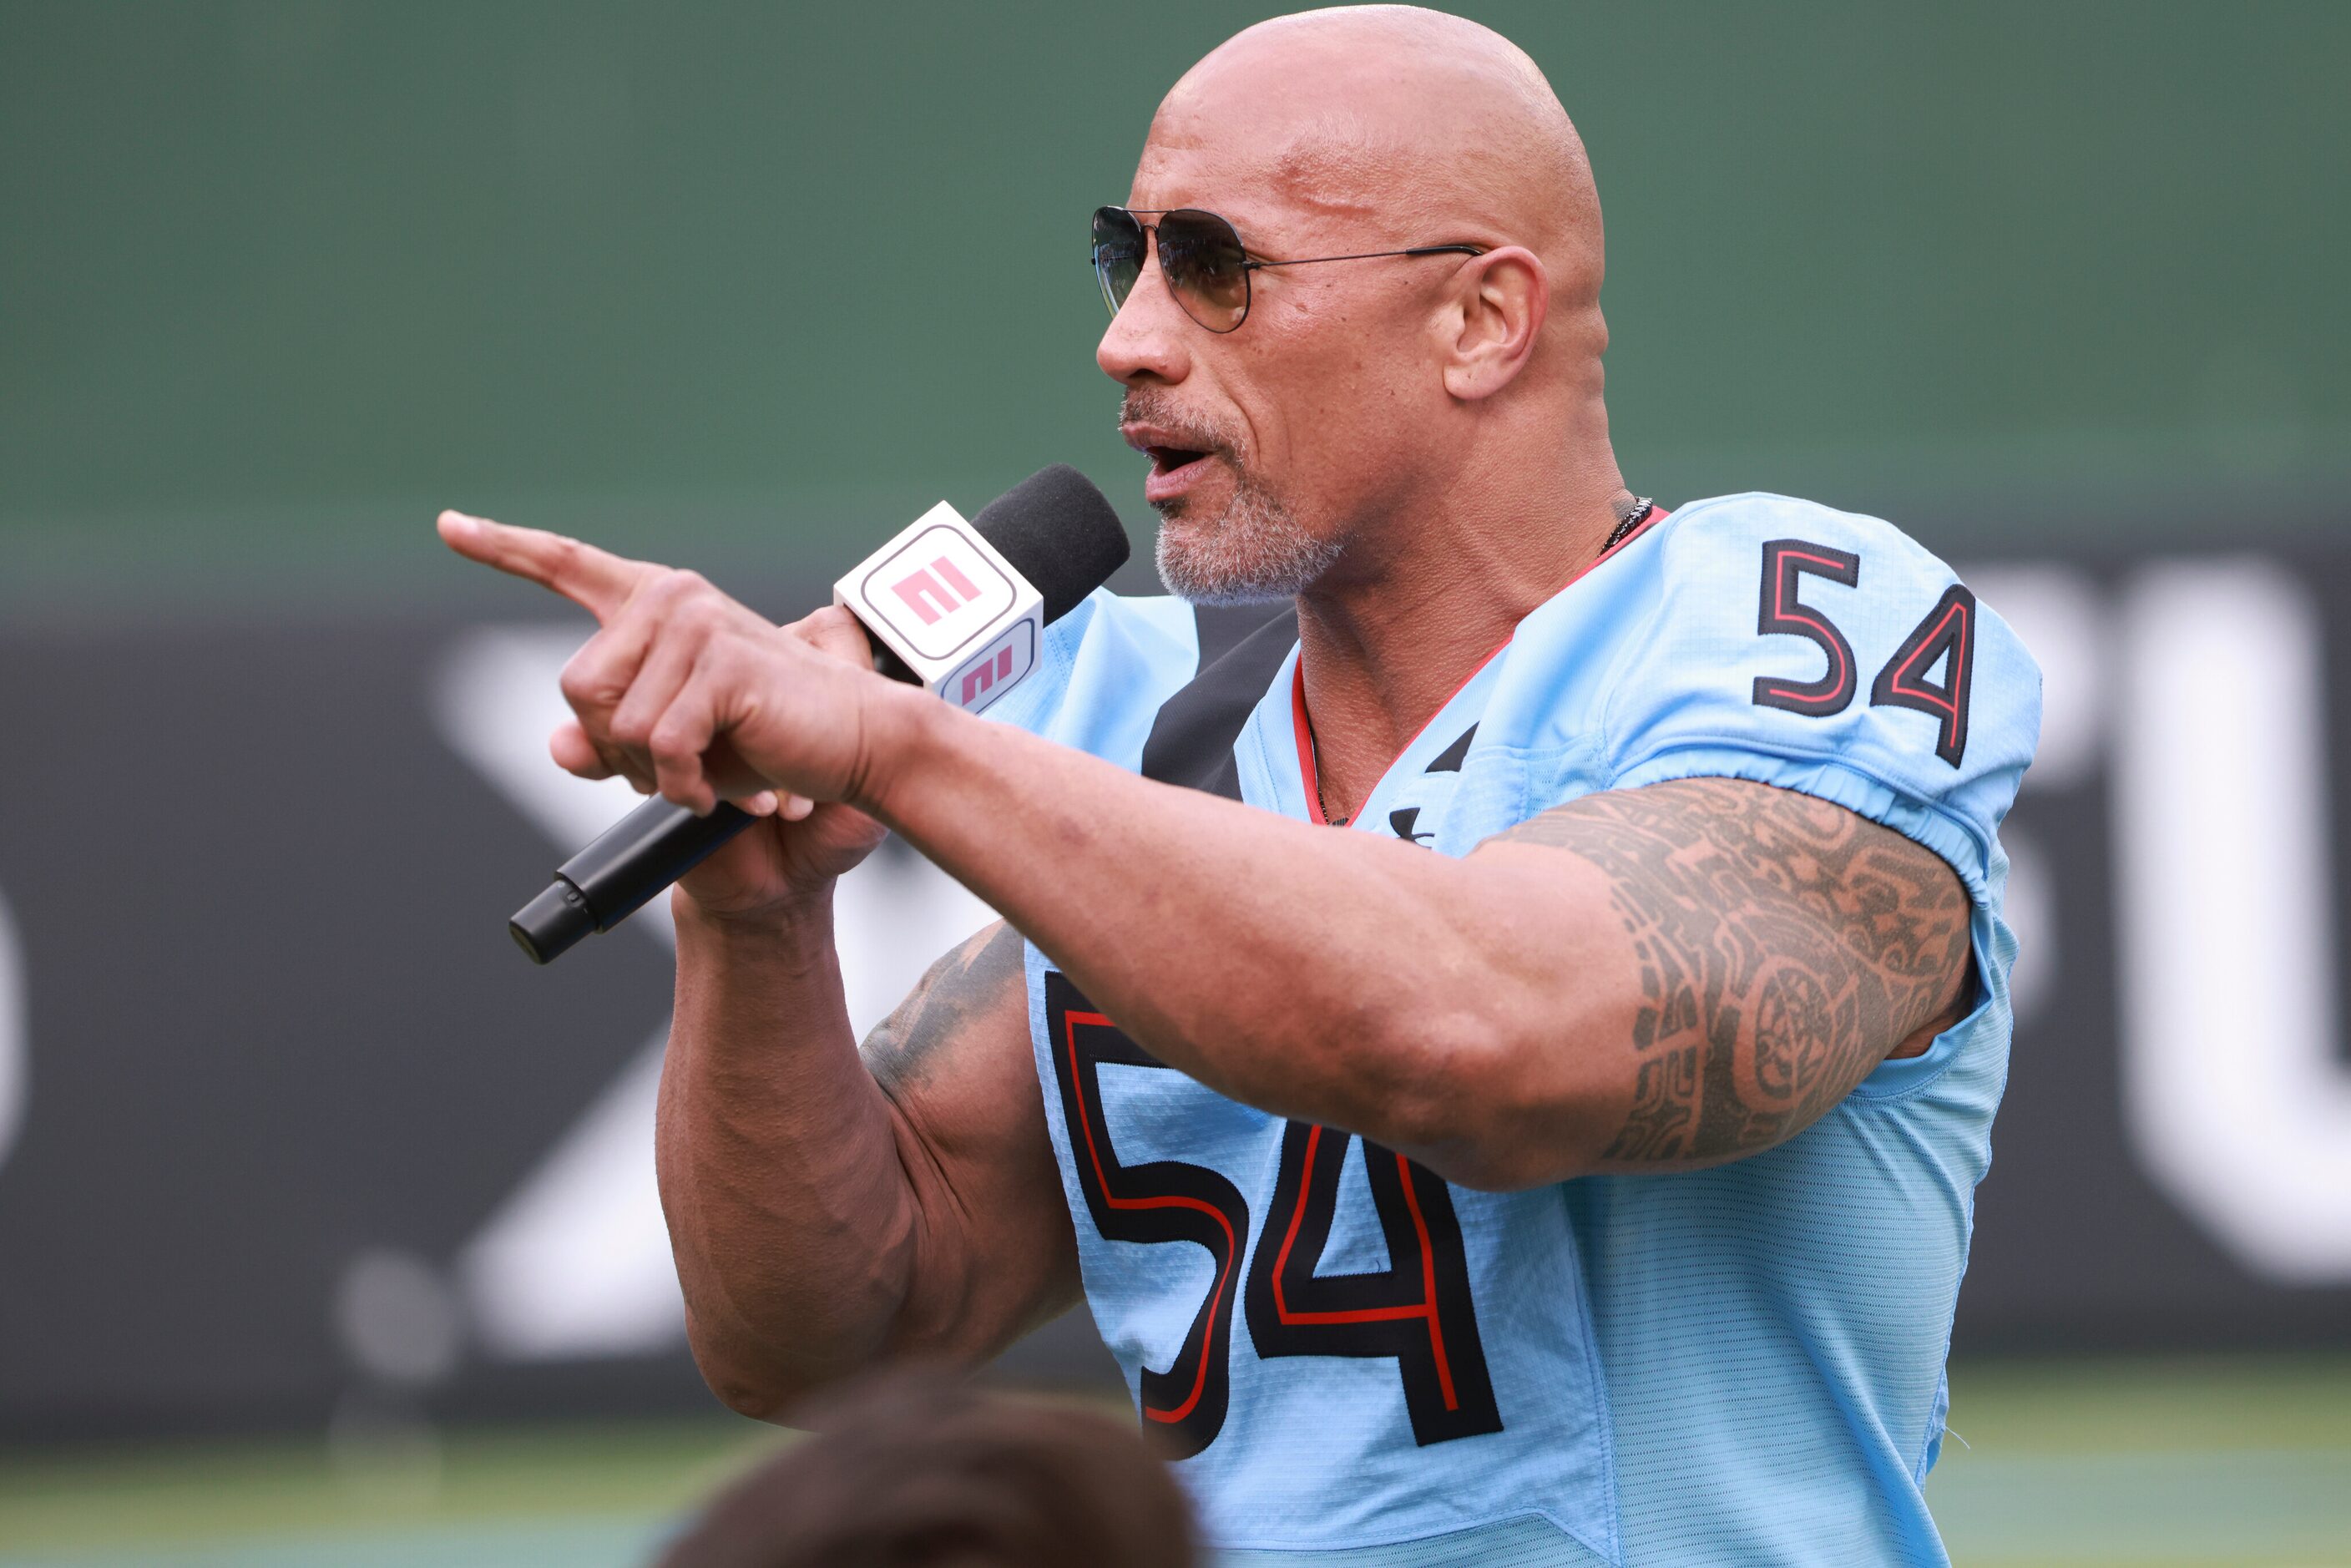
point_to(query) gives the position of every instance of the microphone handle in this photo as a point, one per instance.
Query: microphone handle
(635, 858)
(619, 873)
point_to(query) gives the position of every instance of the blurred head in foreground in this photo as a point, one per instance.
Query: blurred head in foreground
(915, 1469)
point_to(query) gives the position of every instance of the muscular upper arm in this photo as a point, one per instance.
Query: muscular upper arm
(997, 1255)
(1783, 946)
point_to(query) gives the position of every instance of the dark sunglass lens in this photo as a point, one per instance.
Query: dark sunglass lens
(1118, 255)
(1207, 268)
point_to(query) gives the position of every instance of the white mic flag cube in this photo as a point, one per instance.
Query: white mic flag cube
(951, 606)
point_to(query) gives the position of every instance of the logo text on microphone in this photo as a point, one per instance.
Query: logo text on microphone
(937, 591)
(996, 669)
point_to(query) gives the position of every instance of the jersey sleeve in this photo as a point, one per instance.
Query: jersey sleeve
(1826, 652)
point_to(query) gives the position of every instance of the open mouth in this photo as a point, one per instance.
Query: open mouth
(1170, 460)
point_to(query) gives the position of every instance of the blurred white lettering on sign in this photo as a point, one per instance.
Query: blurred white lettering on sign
(2061, 615)
(2233, 1092)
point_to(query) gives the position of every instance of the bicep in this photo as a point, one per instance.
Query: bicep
(1771, 948)
(997, 1254)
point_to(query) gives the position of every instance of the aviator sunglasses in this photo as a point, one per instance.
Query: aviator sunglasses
(1206, 266)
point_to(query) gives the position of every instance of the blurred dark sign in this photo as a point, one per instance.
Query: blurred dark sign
(287, 1122)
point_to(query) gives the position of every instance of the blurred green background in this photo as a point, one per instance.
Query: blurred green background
(279, 277)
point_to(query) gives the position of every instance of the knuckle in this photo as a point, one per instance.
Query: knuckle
(834, 630)
(819, 626)
(580, 684)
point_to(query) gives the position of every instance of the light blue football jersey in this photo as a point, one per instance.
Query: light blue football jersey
(1743, 1365)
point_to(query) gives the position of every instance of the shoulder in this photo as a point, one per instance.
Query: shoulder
(1767, 637)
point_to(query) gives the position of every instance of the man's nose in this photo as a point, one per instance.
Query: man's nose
(1150, 335)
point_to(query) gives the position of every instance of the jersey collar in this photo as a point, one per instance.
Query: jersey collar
(1302, 790)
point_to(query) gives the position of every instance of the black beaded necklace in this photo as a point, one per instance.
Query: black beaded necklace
(1636, 512)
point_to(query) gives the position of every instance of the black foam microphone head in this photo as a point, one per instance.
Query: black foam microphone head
(1058, 532)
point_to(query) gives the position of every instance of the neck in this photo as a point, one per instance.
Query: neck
(1388, 638)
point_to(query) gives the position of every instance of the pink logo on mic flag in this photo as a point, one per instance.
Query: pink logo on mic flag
(936, 591)
(985, 676)
(994, 670)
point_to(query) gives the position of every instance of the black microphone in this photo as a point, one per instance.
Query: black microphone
(956, 607)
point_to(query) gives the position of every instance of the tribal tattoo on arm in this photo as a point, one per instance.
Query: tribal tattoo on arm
(980, 975)
(1786, 946)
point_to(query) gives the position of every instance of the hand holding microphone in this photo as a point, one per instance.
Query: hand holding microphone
(688, 693)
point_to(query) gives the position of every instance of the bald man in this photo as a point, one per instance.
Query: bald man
(1569, 1162)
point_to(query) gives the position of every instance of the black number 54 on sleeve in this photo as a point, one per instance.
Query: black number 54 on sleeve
(1946, 638)
(1948, 634)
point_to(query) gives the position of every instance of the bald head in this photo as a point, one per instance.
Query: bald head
(1406, 124)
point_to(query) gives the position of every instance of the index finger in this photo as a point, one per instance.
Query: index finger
(597, 581)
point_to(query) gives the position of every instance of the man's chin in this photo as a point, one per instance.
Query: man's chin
(1198, 572)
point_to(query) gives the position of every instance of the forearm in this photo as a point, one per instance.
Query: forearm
(789, 1209)
(1331, 977)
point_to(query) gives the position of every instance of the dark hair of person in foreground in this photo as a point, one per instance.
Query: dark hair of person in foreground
(916, 1468)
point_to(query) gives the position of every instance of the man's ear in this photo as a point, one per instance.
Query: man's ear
(1498, 312)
